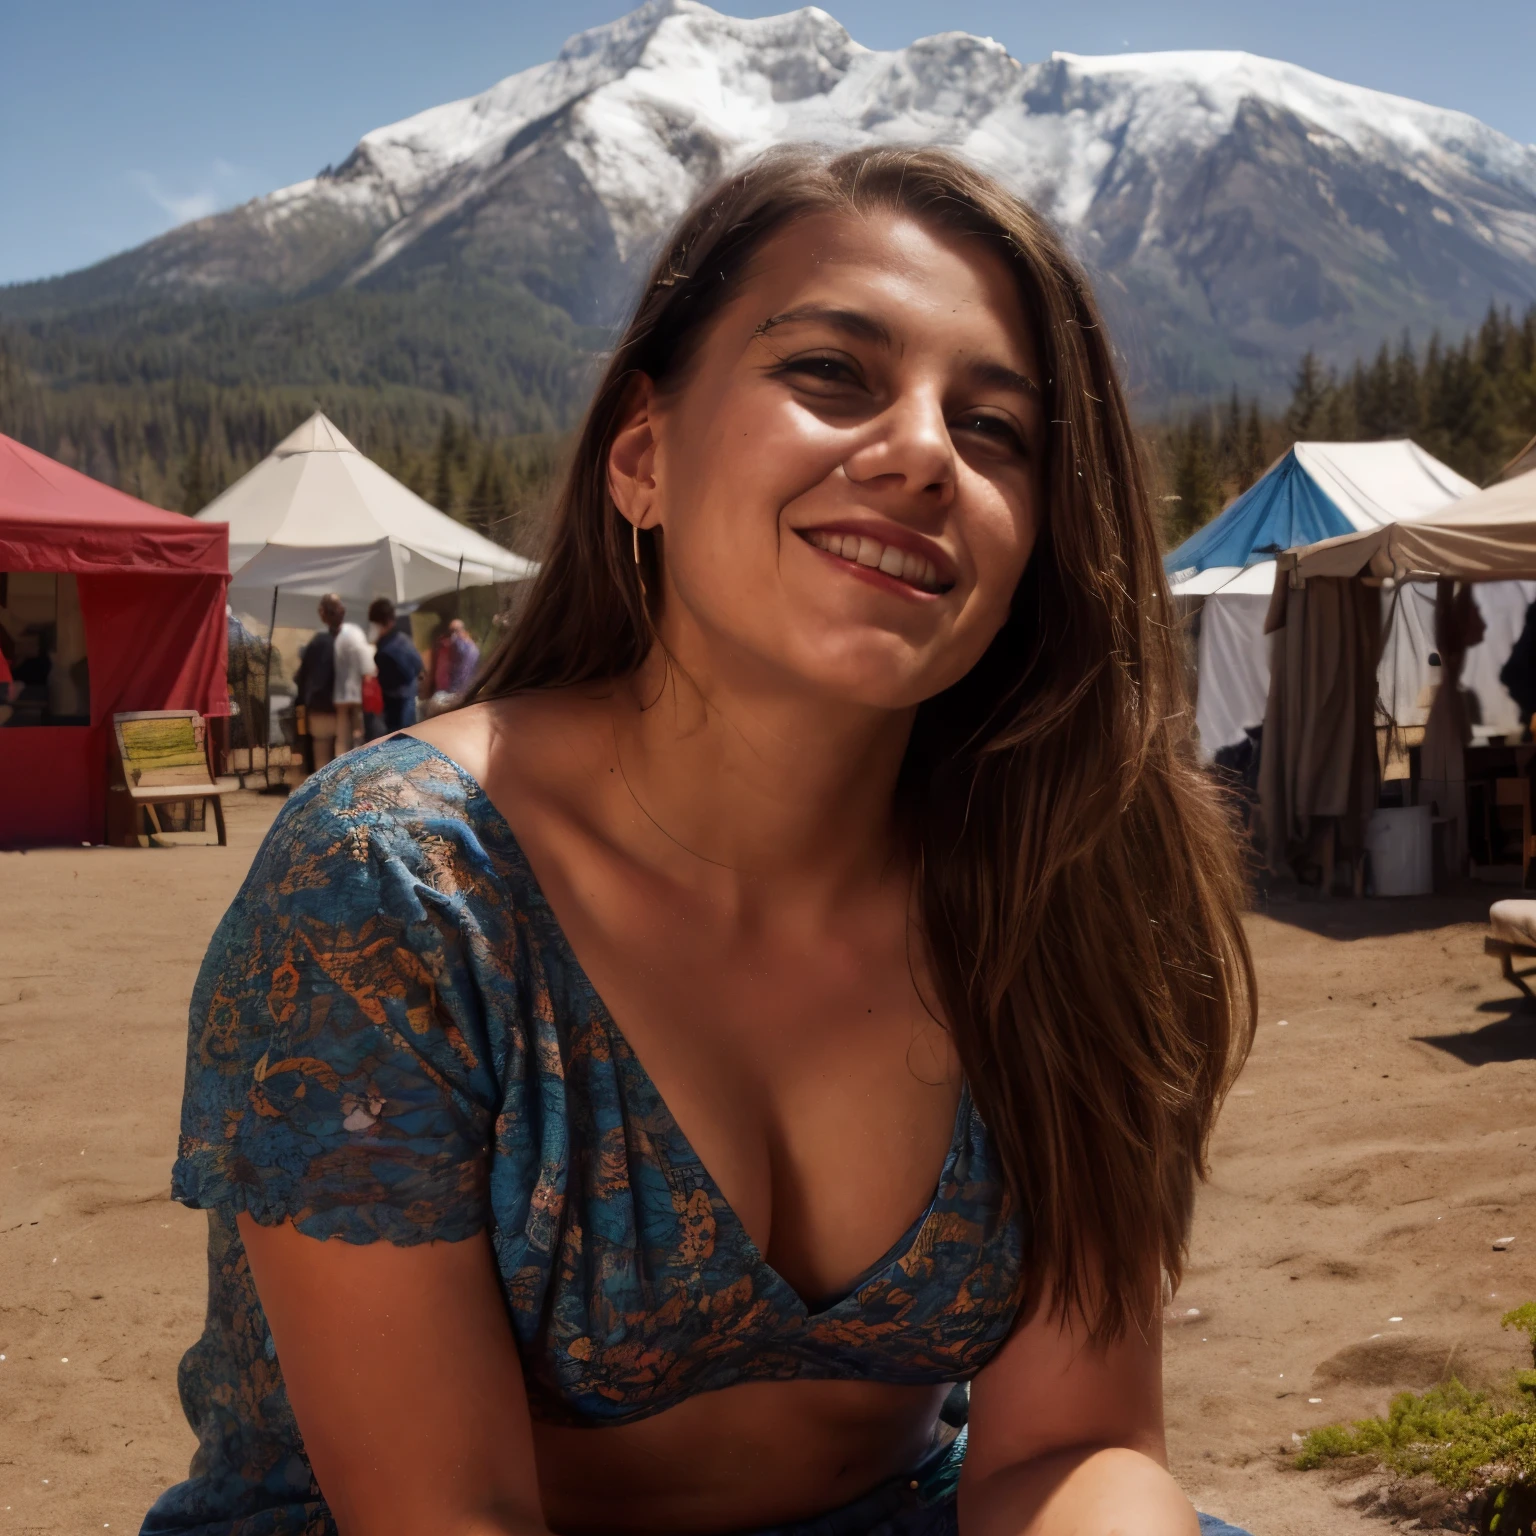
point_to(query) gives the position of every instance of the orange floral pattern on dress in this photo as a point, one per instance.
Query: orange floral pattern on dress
(391, 1040)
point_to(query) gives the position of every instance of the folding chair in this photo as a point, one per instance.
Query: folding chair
(159, 757)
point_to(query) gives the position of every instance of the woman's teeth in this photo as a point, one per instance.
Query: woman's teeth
(916, 570)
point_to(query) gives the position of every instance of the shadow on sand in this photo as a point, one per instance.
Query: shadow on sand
(1372, 917)
(1510, 1036)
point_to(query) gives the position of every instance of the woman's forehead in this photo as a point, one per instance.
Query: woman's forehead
(906, 274)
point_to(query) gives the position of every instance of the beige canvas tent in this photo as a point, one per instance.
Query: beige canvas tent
(1488, 536)
(317, 516)
(1328, 619)
(1522, 463)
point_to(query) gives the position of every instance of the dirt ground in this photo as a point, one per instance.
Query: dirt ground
(1343, 1250)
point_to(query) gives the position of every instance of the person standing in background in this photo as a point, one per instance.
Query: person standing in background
(457, 660)
(455, 656)
(354, 662)
(316, 683)
(1519, 674)
(399, 665)
(9, 687)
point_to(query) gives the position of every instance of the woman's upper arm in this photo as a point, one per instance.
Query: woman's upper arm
(344, 1080)
(341, 1072)
(404, 1378)
(1048, 1390)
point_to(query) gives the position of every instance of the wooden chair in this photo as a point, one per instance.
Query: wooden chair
(159, 757)
(1517, 793)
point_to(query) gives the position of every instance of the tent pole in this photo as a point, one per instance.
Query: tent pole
(266, 761)
(458, 580)
(244, 704)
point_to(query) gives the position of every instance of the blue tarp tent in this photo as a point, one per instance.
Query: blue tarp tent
(1315, 491)
(1284, 510)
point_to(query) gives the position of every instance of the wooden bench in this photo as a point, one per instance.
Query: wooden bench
(159, 757)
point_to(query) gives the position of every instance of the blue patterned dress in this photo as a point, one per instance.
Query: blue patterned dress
(392, 1040)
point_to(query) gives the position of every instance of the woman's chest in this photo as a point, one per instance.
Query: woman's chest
(803, 1074)
(634, 1282)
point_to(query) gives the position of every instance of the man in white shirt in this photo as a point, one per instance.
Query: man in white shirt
(353, 662)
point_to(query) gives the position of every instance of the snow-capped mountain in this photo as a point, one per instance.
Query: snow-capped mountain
(1235, 210)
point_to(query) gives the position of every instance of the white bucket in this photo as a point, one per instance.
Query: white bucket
(1402, 853)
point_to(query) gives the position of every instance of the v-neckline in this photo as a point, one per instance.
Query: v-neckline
(680, 1146)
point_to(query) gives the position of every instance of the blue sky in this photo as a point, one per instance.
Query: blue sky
(118, 121)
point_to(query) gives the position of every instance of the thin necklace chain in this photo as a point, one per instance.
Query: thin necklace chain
(640, 806)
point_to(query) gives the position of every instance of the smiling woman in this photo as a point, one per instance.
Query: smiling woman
(801, 978)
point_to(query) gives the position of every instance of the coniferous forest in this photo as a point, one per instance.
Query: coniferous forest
(174, 403)
(1472, 404)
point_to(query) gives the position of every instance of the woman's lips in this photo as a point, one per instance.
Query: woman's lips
(903, 565)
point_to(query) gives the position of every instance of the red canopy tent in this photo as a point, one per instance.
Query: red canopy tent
(151, 588)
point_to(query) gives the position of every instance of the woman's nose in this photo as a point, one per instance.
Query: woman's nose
(909, 445)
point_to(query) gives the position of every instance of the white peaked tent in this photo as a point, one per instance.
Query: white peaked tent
(1230, 564)
(317, 516)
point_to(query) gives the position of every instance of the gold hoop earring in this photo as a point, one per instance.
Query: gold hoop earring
(634, 530)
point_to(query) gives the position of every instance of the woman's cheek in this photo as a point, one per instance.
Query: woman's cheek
(1010, 539)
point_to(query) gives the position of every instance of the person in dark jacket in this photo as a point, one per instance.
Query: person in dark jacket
(1519, 672)
(399, 662)
(316, 683)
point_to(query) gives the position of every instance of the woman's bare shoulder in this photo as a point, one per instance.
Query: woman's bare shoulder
(539, 743)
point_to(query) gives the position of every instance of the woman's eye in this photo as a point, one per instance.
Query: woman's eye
(822, 370)
(1001, 431)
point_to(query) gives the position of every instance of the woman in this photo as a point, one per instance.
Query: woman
(802, 978)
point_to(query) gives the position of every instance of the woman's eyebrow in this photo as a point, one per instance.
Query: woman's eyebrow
(855, 323)
(850, 321)
(1000, 376)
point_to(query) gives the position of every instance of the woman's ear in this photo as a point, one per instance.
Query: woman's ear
(632, 455)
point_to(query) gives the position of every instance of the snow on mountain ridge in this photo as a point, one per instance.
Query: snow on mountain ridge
(669, 61)
(1174, 105)
(674, 93)
(1235, 210)
(710, 91)
(1218, 82)
(678, 45)
(409, 155)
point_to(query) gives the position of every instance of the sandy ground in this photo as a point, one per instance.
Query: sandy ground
(1378, 1143)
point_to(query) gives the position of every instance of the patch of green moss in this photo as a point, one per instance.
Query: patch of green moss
(1524, 1318)
(1461, 1439)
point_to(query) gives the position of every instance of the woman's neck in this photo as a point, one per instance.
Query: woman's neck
(758, 783)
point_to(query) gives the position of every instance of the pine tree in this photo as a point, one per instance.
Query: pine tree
(1230, 441)
(194, 480)
(1196, 492)
(1372, 390)
(1309, 399)
(1407, 407)
(442, 465)
(488, 500)
(1339, 421)
(1251, 463)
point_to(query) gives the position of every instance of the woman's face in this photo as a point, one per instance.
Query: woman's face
(848, 480)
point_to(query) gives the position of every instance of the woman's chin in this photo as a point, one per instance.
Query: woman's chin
(878, 682)
(889, 662)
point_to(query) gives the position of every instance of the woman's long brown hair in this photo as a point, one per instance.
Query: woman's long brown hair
(1079, 884)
